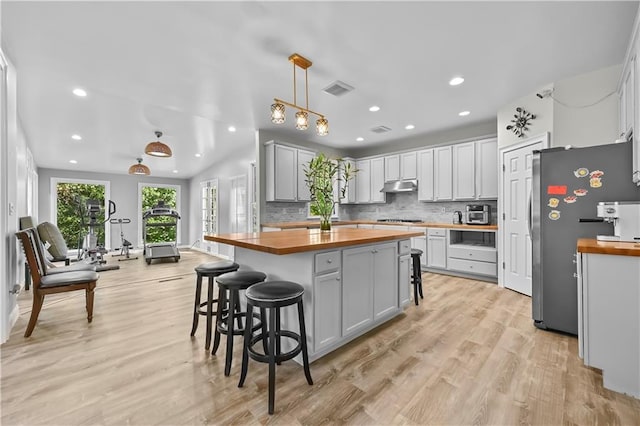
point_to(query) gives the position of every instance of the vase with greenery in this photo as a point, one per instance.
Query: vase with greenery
(321, 173)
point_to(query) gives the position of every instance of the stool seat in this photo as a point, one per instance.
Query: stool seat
(240, 279)
(275, 292)
(218, 267)
(416, 252)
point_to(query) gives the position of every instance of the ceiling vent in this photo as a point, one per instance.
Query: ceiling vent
(338, 88)
(381, 129)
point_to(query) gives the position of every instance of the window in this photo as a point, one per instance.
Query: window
(238, 204)
(209, 211)
(149, 196)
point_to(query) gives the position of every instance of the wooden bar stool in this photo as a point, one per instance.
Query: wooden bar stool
(416, 274)
(209, 270)
(229, 286)
(273, 295)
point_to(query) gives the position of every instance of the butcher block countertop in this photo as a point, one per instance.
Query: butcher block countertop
(591, 245)
(302, 240)
(316, 223)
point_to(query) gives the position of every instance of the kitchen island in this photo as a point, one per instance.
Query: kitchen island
(354, 279)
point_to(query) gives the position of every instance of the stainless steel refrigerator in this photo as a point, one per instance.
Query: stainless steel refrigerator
(567, 186)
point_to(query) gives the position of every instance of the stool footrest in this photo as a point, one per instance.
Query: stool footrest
(222, 325)
(204, 311)
(278, 357)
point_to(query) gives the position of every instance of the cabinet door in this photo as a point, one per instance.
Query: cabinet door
(357, 297)
(437, 252)
(404, 279)
(303, 161)
(363, 181)
(628, 90)
(464, 175)
(408, 165)
(385, 275)
(420, 243)
(425, 175)
(391, 167)
(350, 192)
(285, 168)
(442, 173)
(327, 292)
(377, 180)
(487, 169)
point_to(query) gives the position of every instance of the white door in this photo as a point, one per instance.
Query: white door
(238, 204)
(517, 181)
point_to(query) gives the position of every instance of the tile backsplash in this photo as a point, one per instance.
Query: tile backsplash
(398, 205)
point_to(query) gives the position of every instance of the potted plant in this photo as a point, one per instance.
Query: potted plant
(320, 173)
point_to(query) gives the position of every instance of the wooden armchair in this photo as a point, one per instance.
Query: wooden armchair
(45, 282)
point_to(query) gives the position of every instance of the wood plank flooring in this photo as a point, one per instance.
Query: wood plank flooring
(468, 354)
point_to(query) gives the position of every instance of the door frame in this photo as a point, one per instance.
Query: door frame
(544, 138)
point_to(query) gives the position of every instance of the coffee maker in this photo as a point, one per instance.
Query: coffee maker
(625, 217)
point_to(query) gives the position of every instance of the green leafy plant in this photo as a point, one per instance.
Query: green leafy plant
(320, 173)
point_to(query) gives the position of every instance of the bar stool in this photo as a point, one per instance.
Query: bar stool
(229, 286)
(209, 270)
(416, 274)
(273, 295)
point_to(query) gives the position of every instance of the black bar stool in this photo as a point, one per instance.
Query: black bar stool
(416, 274)
(273, 295)
(209, 270)
(229, 286)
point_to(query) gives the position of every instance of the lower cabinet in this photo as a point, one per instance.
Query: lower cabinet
(372, 290)
(327, 290)
(437, 248)
(404, 279)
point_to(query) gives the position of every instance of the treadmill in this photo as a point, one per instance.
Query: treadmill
(169, 219)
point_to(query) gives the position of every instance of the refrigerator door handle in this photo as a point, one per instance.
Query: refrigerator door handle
(529, 215)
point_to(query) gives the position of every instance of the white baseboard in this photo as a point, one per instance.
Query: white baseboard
(13, 318)
(222, 256)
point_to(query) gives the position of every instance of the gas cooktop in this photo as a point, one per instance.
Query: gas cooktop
(401, 220)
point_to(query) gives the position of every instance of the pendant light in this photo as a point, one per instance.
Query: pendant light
(139, 169)
(158, 149)
(302, 116)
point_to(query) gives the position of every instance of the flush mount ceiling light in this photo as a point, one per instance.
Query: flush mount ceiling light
(139, 169)
(302, 116)
(464, 113)
(409, 127)
(80, 92)
(76, 137)
(157, 148)
(456, 81)
(374, 108)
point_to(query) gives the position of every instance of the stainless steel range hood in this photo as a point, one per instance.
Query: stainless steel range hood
(408, 185)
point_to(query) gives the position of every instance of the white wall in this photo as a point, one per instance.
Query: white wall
(124, 192)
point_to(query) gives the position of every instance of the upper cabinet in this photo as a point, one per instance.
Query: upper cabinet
(487, 169)
(425, 175)
(377, 180)
(442, 177)
(629, 91)
(370, 180)
(391, 167)
(284, 169)
(400, 166)
(350, 192)
(464, 178)
(628, 99)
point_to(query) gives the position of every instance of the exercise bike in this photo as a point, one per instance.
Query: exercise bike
(90, 251)
(125, 244)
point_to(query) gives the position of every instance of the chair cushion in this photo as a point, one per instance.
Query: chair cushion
(68, 278)
(80, 266)
(27, 222)
(240, 279)
(49, 233)
(274, 291)
(218, 267)
(416, 252)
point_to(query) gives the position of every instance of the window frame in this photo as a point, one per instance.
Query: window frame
(178, 207)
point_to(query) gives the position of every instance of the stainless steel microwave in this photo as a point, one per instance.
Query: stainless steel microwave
(478, 214)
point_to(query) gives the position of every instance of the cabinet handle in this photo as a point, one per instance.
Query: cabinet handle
(575, 275)
(329, 260)
(338, 279)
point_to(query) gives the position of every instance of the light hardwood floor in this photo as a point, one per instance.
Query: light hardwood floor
(468, 354)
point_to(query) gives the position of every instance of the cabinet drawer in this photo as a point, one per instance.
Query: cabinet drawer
(470, 253)
(404, 247)
(436, 232)
(473, 267)
(328, 261)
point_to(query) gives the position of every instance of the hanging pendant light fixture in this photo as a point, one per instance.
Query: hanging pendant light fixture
(157, 148)
(139, 169)
(302, 116)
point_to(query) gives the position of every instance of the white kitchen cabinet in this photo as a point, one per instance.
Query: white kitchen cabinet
(350, 192)
(377, 180)
(304, 157)
(408, 165)
(487, 169)
(420, 243)
(442, 174)
(372, 272)
(464, 175)
(327, 291)
(437, 248)
(391, 167)
(628, 99)
(363, 181)
(425, 175)
(281, 172)
(404, 280)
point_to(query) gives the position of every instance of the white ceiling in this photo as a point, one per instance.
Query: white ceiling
(193, 69)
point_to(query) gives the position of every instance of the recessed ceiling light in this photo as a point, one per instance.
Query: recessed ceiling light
(76, 137)
(232, 129)
(175, 171)
(198, 155)
(79, 92)
(374, 108)
(360, 139)
(464, 113)
(409, 127)
(456, 81)
(73, 161)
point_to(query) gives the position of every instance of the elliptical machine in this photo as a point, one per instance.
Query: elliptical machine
(125, 244)
(90, 251)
